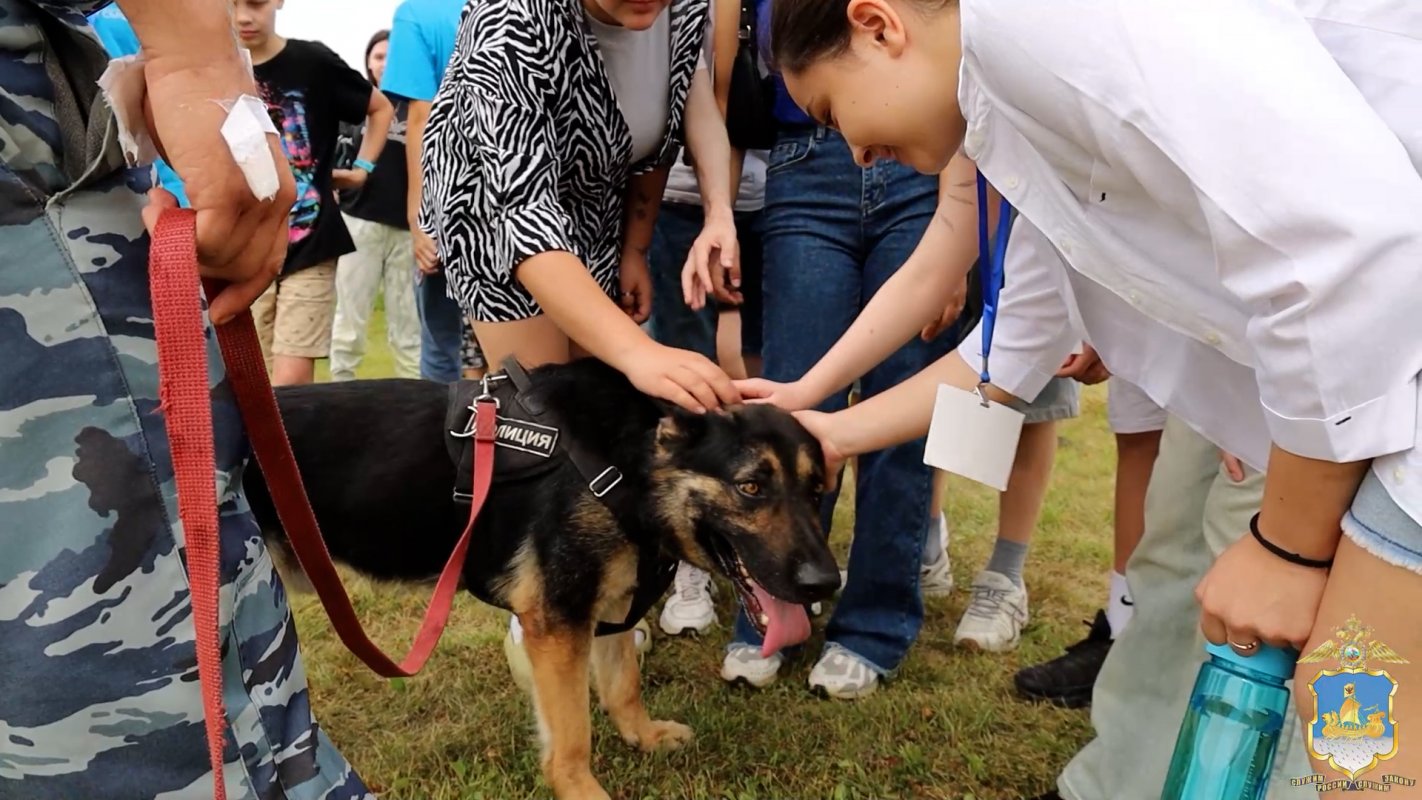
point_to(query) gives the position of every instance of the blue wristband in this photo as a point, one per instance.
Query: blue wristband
(361, 163)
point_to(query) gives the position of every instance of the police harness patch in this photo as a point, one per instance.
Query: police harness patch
(527, 437)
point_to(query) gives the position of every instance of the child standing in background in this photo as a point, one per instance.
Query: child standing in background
(309, 91)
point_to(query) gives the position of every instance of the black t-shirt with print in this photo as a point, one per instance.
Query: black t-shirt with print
(309, 92)
(382, 198)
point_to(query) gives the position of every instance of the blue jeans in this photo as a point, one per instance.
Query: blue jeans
(675, 324)
(441, 329)
(834, 234)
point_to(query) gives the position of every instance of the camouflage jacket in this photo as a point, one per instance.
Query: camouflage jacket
(97, 660)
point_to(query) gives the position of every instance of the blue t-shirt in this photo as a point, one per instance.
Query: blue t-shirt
(119, 40)
(421, 43)
(114, 31)
(785, 109)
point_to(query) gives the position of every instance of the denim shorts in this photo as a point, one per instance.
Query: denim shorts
(1059, 399)
(1378, 525)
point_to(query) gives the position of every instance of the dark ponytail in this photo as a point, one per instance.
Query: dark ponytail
(805, 31)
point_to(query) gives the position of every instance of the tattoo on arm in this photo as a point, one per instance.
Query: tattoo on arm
(640, 201)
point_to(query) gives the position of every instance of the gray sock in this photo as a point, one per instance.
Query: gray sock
(1008, 558)
(933, 545)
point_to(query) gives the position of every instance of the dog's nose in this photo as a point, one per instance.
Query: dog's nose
(817, 579)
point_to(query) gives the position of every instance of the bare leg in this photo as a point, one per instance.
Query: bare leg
(1021, 505)
(293, 370)
(998, 609)
(534, 341)
(728, 344)
(940, 492)
(1135, 458)
(1385, 598)
(619, 688)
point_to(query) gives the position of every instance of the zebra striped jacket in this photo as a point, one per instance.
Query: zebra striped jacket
(527, 152)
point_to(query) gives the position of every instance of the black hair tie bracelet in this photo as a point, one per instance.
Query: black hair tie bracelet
(1292, 558)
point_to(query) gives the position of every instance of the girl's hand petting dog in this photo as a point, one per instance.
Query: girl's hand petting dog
(790, 396)
(680, 376)
(823, 427)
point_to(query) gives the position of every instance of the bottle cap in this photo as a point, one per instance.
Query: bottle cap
(1278, 662)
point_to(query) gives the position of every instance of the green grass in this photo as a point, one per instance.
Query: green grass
(948, 727)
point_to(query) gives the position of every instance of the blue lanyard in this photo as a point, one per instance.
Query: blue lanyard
(990, 258)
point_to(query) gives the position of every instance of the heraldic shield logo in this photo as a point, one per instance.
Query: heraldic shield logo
(1353, 729)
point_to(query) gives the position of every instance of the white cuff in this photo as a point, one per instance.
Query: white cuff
(1386, 424)
(1023, 378)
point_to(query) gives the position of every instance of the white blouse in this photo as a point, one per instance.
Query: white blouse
(1227, 197)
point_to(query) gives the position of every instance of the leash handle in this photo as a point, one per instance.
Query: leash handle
(183, 391)
(187, 410)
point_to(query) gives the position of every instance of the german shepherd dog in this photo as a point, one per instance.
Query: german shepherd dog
(736, 491)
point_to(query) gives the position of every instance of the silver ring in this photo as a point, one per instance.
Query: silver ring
(1245, 647)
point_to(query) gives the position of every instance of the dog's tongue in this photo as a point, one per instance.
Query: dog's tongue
(787, 623)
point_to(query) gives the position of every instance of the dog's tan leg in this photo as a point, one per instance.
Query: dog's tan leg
(559, 657)
(619, 687)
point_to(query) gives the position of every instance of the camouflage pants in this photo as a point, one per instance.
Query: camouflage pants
(97, 663)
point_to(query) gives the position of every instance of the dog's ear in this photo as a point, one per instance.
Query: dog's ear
(679, 427)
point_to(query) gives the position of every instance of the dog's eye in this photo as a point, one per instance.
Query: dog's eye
(748, 488)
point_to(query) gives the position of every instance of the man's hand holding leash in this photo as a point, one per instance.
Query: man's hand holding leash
(194, 73)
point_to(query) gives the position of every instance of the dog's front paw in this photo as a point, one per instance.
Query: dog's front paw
(663, 735)
(578, 786)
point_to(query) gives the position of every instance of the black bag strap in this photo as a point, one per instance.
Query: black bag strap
(654, 572)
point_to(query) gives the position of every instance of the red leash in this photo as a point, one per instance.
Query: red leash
(184, 399)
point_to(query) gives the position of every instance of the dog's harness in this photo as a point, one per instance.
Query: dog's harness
(530, 441)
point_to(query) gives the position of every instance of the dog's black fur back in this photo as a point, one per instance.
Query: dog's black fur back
(373, 458)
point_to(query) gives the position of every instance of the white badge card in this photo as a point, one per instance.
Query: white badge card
(975, 441)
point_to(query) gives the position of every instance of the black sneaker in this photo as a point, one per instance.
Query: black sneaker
(1052, 795)
(1067, 679)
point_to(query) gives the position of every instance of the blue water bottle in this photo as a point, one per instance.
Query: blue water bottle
(1227, 741)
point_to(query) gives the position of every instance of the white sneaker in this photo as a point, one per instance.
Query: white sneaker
(936, 579)
(995, 615)
(517, 656)
(642, 639)
(743, 665)
(689, 608)
(842, 675)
